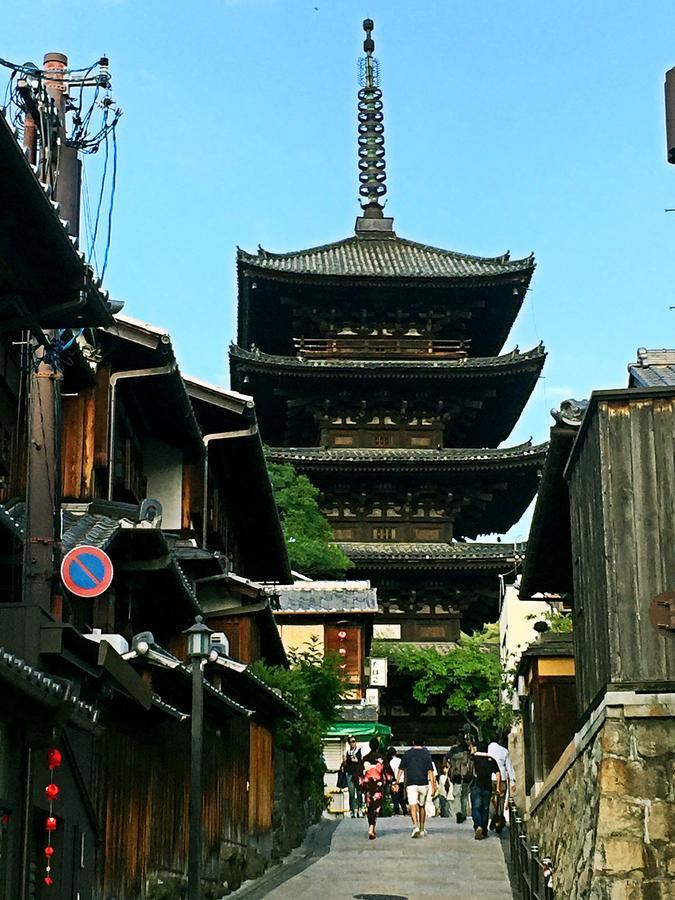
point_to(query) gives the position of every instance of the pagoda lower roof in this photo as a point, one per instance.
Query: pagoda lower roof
(467, 556)
(374, 458)
(477, 366)
(388, 256)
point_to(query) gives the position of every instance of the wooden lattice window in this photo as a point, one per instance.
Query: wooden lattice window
(384, 534)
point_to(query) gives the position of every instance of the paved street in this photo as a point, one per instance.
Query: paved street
(448, 863)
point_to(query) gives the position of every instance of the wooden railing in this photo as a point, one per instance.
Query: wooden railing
(372, 347)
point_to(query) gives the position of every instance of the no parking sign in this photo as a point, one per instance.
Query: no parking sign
(86, 571)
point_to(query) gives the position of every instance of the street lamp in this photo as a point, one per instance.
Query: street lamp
(198, 649)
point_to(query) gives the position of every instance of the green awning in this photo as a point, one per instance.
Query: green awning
(362, 730)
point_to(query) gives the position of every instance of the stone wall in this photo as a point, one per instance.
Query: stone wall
(606, 816)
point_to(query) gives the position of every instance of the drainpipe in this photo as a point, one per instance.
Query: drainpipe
(114, 378)
(218, 436)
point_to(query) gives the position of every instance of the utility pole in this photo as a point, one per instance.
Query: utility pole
(43, 484)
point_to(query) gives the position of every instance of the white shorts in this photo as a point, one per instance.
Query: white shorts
(417, 794)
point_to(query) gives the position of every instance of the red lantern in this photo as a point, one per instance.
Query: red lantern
(52, 791)
(49, 851)
(51, 823)
(54, 757)
(49, 880)
(4, 820)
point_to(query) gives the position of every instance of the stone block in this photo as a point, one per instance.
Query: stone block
(625, 890)
(632, 779)
(618, 816)
(613, 776)
(661, 821)
(653, 737)
(622, 856)
(614, 737)
(657, 890)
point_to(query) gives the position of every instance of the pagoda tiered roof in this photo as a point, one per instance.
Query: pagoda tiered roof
(355, 459)
(459, 555)
(471, 366)
(386, 256)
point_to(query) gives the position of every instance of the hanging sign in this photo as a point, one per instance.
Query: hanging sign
(86, 571)
(378, 671)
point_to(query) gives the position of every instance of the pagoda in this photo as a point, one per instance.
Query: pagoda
(378, 370)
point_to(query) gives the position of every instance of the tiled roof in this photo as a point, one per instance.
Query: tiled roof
(523, 454)
(54, 690)
(365, 368)
(654, 368)
(457, 555)
(369, 257)
(326, 597)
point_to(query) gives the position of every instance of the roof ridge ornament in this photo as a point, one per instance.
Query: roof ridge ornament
(372, 167)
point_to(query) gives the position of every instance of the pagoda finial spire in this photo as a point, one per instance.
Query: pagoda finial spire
(372, 170)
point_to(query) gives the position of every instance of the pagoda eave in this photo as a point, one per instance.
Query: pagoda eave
(508, 364)
(387, 460)
(464, 557)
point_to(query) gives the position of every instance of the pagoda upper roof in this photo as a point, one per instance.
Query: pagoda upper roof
(386, 255)
(455, 555)
(372, 458)
(372, 368)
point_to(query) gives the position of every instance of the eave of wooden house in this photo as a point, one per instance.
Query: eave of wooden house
(43, 277)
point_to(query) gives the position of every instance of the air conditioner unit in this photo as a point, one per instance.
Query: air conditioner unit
(116, 641)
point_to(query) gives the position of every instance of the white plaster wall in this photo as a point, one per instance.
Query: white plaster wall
(163, 469)
(516, 630)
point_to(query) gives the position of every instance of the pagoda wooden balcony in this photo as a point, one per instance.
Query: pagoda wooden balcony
(408, 346)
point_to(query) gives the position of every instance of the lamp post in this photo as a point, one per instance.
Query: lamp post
(198, 647)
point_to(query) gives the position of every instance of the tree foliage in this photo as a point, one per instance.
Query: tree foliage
(315, 686)
(468, 679)
(308, 534)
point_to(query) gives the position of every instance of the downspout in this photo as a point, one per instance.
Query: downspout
(114, 378)
(218, 436)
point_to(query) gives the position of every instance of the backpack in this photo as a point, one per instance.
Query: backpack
(461, 767)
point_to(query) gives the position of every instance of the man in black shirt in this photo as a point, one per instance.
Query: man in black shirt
(418, 768)
(484, 767)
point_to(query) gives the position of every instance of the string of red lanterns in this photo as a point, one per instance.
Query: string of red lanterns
(52, 790)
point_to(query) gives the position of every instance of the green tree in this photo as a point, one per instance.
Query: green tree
(468, 678)
(315, 686)
(308, 534)
(556, 619)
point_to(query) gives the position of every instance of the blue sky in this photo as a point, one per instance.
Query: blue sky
(527, 126)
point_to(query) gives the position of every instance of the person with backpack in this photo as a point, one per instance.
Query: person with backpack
(460, 773)
(376, 774)
(484, 767)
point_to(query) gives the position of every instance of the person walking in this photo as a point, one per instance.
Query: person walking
(458, 760)
(418, 767)
(484, 767)
(497, 749)
(351, 765)
(376, 774)
(398, 795)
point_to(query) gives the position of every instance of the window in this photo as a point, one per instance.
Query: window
(383, 440)
(384, 534)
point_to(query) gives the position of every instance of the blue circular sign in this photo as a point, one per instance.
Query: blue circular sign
(86, 571)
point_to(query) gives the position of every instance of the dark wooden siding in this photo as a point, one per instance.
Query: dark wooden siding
(622, 495)
(261, 778)
(142, 783)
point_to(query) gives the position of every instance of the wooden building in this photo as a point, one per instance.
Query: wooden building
(377, 367)
(602, 538)
(339, 616)
(137, 470)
